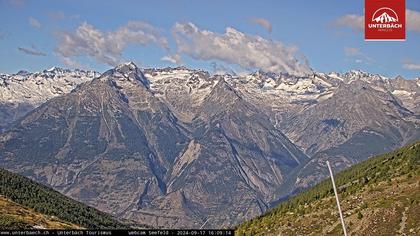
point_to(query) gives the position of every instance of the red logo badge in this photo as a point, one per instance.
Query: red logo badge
(384, 19)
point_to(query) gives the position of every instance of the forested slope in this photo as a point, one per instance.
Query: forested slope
(20, 192)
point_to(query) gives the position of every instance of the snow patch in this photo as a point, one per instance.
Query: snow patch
(401, 93)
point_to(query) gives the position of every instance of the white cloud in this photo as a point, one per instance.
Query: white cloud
(32, 51)
(411, 66)
(174, 58)
(106, 47)
(413, 20)
(264, 23)
(34, 22)
(235, 47)
(357, 22)
(70, 62)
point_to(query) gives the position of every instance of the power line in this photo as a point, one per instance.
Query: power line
(336, 198)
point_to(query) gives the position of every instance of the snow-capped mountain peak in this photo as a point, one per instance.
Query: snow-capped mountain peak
(127, 72)
(52, 69)
(127, 66)
(35, 88)
(193, 86)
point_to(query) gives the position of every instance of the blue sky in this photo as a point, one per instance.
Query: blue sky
(32, 32)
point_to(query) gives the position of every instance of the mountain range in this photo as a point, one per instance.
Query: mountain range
(179, 148)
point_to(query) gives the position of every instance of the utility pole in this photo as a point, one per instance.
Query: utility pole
(336, 198)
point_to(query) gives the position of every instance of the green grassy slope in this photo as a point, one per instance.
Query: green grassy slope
(16, 216)
(44, 200)
(380, 196)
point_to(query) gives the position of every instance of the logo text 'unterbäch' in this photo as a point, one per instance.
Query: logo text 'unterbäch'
(385, 20)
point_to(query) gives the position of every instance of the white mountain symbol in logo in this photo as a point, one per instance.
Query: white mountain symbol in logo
(385, 17)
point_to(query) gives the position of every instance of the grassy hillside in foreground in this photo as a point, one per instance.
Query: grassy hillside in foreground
(380, 196)
(24, 196)
(15, 216)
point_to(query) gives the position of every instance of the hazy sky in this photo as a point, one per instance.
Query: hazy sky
(293, 36)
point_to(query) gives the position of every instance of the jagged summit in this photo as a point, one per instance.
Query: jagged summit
(222, 88)
(127, 71)
(190, 136)
(23, 73)
(178, 69)
(268, 74)
(224, 99)
(55, 68)
(51, 73)
(399, 77)
(127, 66)
(24, 91)
(223, 93)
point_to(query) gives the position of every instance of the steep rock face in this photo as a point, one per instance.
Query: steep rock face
(20, 93)
(113, 144)
(408, 92)
(182, 90)
(343, 118)
(237, 162)
(352, 107)
(177, 147)
(99, 144)
(357, 122)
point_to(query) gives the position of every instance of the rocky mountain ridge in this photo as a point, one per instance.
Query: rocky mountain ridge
(158, 146)
(115, 145)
